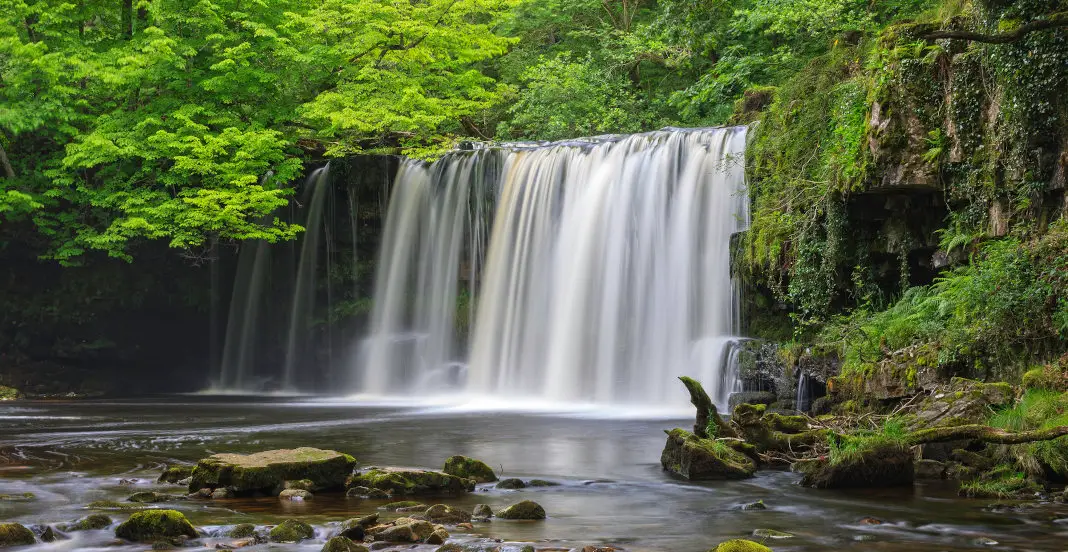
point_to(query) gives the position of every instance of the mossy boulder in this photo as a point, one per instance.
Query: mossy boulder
(511, 483)
(152, 497)
(8, 393)
(482, 511)
(174, 474)
(91, 522)
(881, 465)
(356, 528)
(690, 457)
(403, 505)
(740, 545)
(266, 472)
(291, 530)
(404, 530)
(295, 494)
(469, 468)
(440, 513)
(242, 531)
(396, 481)
(527, 509)
(155, 525)
(343, 544)
(542, 483)
(14, 534)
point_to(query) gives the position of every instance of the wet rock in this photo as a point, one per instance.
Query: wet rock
(343, 544)
(404, 504)
(14, 534)
(352, 530)
(411, 482)
(301, 484)
(958, 472)
(511, 483)
(202, 493)
(593, 548)
(469, 468)
(482, 511)
(451, 547)
(21, 497)
(127, 482)
(365, 522)
(749, 397)
(691, 457)
(175, 474)
(883, 465)
(439, 536)
(222, 493)
(740, 545)
(295, 494)
(366, 492)
(91, 522)
(526, 509)
(542, 483)
(984, 541)
(758, 505)
(961, 401)
(51, 535)
(440, 513)
(930, 469)
(772, 534)
(242, 531)
(154, 525)
(870, 521)
(266, 472)
(381, 545)
(405, 530)
(151, 497)
(291, 530)
(112, 505)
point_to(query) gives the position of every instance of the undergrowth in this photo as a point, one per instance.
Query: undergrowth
(1036, 409)
(854, 447)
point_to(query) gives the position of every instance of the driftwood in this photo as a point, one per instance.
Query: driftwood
(706, 411)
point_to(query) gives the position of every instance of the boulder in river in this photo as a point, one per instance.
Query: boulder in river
(14, 534)
(397, 481)
(511, 483)
(343, 544)
(404, 530)
(527, 509)
(295, 494)
(482, 511)
(691, 457)
(291, 530)
(356, 528)
(154, 525)
(242, 531)
(469, 468)
(740, 545)
(266, 472)
(881, 465)
(89, 523)
(174, 474)
(440, 513)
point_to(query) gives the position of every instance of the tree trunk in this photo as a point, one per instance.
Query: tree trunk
(9, 171)
(127, 19)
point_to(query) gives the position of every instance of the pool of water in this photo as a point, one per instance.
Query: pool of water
(612, 490)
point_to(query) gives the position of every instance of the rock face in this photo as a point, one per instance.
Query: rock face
(153, 525)
(266, 472)
(690, 457)
(397, 481)
(888, 465)
(527, 509)
(13, 534)
(291, 530)
(740, 545)
(469, 468)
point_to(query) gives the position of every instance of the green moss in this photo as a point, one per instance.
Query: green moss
(469, 468)
(740, 545)
(291, 530)
(266, 472)
(343, 544)
(1001, 482)
(527, 509)
(13, 534)
(411, 482)
(112, 505)
(404, 504)
(174, 474)
(8, 393)
(153, 525)
(241, 531)
(89, 523)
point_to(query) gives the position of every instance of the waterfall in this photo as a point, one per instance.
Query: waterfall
(801, 401)
(605, 275)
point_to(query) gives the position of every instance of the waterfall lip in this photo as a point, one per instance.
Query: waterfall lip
(581, 141)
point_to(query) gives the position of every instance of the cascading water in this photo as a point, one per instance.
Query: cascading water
(607, 271)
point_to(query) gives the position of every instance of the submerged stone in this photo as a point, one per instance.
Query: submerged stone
(691, 457)
(511, 483)
(469, 468)
(151, 497)
(89, 523)
(242, 531)
(758, 505)
(542, 483)
(266, 472)
(740, 545)
(153, 525)
(527, 509)
(772, 534)
(291, 530)
(14, 534)
(343, 544)
(411, 482)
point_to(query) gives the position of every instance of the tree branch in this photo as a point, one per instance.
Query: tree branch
(984, 433)
(1056, 20)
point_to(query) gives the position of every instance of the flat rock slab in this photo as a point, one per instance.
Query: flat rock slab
(400, 481)
(266, 472)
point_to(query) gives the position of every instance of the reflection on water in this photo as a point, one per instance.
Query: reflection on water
(613, 491)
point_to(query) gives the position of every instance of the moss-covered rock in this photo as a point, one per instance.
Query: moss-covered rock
(961, 401)
(397, 481)
(482, 511)
(8, 393)
(690, 457)
(402, 505)
(266, 472)
(740, 545)
(174, 474)
(511, 483)
(242, 531)
(542, 483)
(13, 534)
(469, 468)
(881, 465)
(440, 513)
(772, 534)
(404, 530)
(366, 492)
(112, 505)
(526, 509)
(356, 528)
(152, 497)
(439, 536)
(295, 494)
(154, 525)
(343, 544)
(89, 523)
(300, 485)
(291, 530)
(1052, 376)
(1002, 482)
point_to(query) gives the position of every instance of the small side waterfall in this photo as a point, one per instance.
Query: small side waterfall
(606, 274)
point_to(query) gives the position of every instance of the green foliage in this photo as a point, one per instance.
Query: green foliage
(1001, 482)
(1036, 409)
(853, 447)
